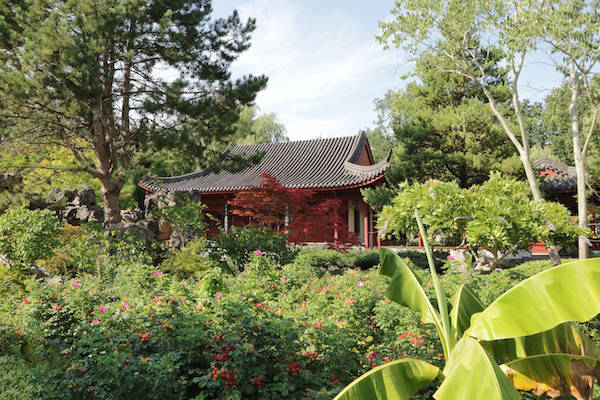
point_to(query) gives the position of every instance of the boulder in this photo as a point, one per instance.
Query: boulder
(130, 229)
(86, 196)
(96, 215)
(65, 196)
(132, 216)
(69, 214)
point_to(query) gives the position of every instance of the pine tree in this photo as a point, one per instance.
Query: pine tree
(106, 78)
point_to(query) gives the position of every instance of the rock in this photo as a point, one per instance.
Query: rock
(69, 214)
(65, 196)
(51, 197)
(132, 216)
(85, 196)
(36, 201)
(96, 215)
(159, 200)
(150, 225)
(83, 214)
(135, 230)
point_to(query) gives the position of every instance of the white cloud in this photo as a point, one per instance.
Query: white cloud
(324, 73)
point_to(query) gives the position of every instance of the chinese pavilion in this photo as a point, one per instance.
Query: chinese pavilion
(333, 168)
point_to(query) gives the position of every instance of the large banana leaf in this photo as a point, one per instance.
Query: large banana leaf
(569, 292)
(471, 374)
(554, 375)
(396, 380)
(465, 303)
(406, 288)
(564, 339)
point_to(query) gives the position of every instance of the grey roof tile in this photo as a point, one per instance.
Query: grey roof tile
(318, 163)
(565, 178)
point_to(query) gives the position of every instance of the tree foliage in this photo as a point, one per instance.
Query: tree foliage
(493, 219)
(443, 128)
(298, 212)
(107, 80)
(28, 235)
(253, 128)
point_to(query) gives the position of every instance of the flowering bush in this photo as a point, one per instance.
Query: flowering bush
(233, 249)
(268, 333)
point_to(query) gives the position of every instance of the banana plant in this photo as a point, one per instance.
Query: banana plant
(524, 340)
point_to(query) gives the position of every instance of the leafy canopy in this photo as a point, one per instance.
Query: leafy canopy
(108, 80)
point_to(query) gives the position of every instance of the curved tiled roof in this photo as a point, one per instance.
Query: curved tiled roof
(564, 177)
(318, 163)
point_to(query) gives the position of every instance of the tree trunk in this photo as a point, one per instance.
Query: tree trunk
(110, 195)
(523, 149)
(579, 160)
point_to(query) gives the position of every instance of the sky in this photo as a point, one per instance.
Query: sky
(325, 67)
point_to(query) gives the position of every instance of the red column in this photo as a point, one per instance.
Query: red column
(366, 226)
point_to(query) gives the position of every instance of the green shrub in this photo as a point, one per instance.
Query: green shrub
(233, 249)
(190, 260)
(323, 258)
(419, 259)
(364, 259)
(92, 249)
(21, 380)
(28, 235)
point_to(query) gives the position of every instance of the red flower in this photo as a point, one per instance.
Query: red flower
(318, 325)
(258, 381)
(293, 368)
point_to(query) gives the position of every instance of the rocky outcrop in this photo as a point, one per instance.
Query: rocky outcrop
(76, 206)
(79, 206)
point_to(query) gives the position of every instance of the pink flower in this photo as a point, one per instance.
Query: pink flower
(218, 294)
(258, 252)
(360, 284)
(318, 325)
(75, 283)
(245, 271)
(95, 322)
(124, 305)
(450, 257)
(101, 308)
(156, 273)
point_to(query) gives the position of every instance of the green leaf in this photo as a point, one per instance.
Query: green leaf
(569, 292)
(406, 288)
(396, 380)
(465, 303)
(471, 373)
(554, 375)
(564, 339)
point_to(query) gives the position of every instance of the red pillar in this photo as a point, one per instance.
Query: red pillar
(366, 226)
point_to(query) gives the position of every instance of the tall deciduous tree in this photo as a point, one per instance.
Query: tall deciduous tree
(572, 28)
(104, 78)
(463, 37)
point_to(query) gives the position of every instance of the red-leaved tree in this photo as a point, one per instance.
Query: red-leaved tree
(310, 219)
